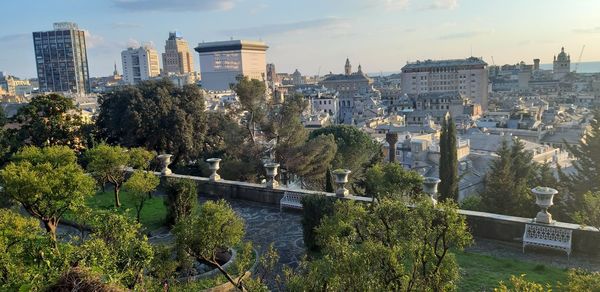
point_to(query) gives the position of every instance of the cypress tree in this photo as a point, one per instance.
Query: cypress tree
(328, 183)
(587, 165)
(448, 161)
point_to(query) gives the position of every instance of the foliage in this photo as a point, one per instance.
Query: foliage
(283, 124)
(155, 115)
(472, 203)
(507, 185)
(139, 185)
(580, 280)
(590, 212)
(49, 120)
(387, 248)
(311, 160)
(252, 95)
(47, 183)
(391, 180)
(329, 181)
(520, 284)
(81, 279)
(355, 150)
(448, 161)
(181, 199)
(215, 229)
(5, 139)
(315, 208)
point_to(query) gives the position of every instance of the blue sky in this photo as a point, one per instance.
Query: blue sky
(315, 35)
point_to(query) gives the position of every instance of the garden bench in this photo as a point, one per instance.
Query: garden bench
(547, 237)
(291, 200)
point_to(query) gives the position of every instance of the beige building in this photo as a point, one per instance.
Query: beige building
(561, 66)
(222, 62)
(467, 76)
(139, 64)
(177, 57)
(14, 86)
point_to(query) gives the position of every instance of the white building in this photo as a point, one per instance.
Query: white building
(467, 76)
(222, 62)
(139, 64)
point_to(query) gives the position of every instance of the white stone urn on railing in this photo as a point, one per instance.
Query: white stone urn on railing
(341, 179)
(430, 185)
(213, 165)
(544, 199)
(271, 169)
(165, 160)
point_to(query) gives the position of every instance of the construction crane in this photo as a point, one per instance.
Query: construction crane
(493, 62)
(579, 60)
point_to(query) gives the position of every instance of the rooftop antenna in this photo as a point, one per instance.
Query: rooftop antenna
(471, 50)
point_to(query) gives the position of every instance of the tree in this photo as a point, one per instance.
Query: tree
(590, 212)
(252, 95)
(311, 160)
(329, 182)
(49, 120)
(5, 139)
(215, 229)
(391, 180)
(182, 199)
(108, 165)
(47, 183)
(283, 123)
(385, 247)
(448, 161)
(156, 115)
(139, 185)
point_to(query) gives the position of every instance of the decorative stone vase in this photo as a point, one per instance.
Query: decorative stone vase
(213, 165)
(544, 199)
(430, 185)
(165, 160)
(341, 179)
(271, 169)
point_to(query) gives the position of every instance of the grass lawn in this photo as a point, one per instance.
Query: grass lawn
(482, 273)
(152, 216)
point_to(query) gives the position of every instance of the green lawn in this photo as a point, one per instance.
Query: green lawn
(152, 216)
(482, 273)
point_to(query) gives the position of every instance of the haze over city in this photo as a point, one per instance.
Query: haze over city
(316, 36)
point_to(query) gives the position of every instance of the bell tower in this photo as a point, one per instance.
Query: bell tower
(348, 67)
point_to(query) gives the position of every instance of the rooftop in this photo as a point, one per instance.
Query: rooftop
(445, 63)
(232, 45)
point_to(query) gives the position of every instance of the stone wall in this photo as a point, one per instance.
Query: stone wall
(484, 225)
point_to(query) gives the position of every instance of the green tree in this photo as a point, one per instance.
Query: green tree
(252, 95)
(47, 183)
(448, 161)
(181, 200)
(329, 181)
(49, 120)
(108, 165)
(391, 180)
(520, 284)
(138, 186)
(155, 115)
(590, 212)
(283, 123)
(314, 209)
(385, 247)
(214, 230)
(311, 160)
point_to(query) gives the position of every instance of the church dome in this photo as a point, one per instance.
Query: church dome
(562, 56)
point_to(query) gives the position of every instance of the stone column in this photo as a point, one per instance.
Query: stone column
(341, 179)
(392, 139)
(213, 165)
(430, 185)
(271, 169)
(165, 160)
(544, 199)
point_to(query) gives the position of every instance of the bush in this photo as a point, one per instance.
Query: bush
(472, 203)
(315, 208)
(182, 199)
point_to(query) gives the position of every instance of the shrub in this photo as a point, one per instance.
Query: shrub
(315, 208)
(182, 199)
(472, 203)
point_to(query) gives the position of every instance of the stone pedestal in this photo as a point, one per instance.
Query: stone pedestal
(213, 165)
(341, 179)
(544, 197)
(430, 185)
(165, 160)
(271, 170)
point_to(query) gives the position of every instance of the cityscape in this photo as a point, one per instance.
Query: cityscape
(295, 157)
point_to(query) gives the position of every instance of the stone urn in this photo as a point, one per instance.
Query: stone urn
(271, 169)
(341, 179)
(430, 185)
(213, 165)
(544, 199)
(165, 160)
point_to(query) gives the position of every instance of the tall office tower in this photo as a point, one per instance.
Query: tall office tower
(222, 62)
(467, 76)
(177, 57)
(139, 64)
(61, 59)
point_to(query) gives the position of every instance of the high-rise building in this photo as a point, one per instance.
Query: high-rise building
(467, 76)
(222, 62)
(177, 57)
(139, 64)
(61, 59)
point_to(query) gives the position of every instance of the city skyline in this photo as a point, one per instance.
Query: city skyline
(316, 36)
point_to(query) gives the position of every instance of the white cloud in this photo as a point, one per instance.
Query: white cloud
(444, 4)
(175, 5)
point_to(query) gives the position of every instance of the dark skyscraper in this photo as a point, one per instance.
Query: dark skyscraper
(61, 59)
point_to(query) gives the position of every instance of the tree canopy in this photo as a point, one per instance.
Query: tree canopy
(391, 180)
(448, 161)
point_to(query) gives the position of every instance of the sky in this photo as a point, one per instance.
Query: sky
(315, 36)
